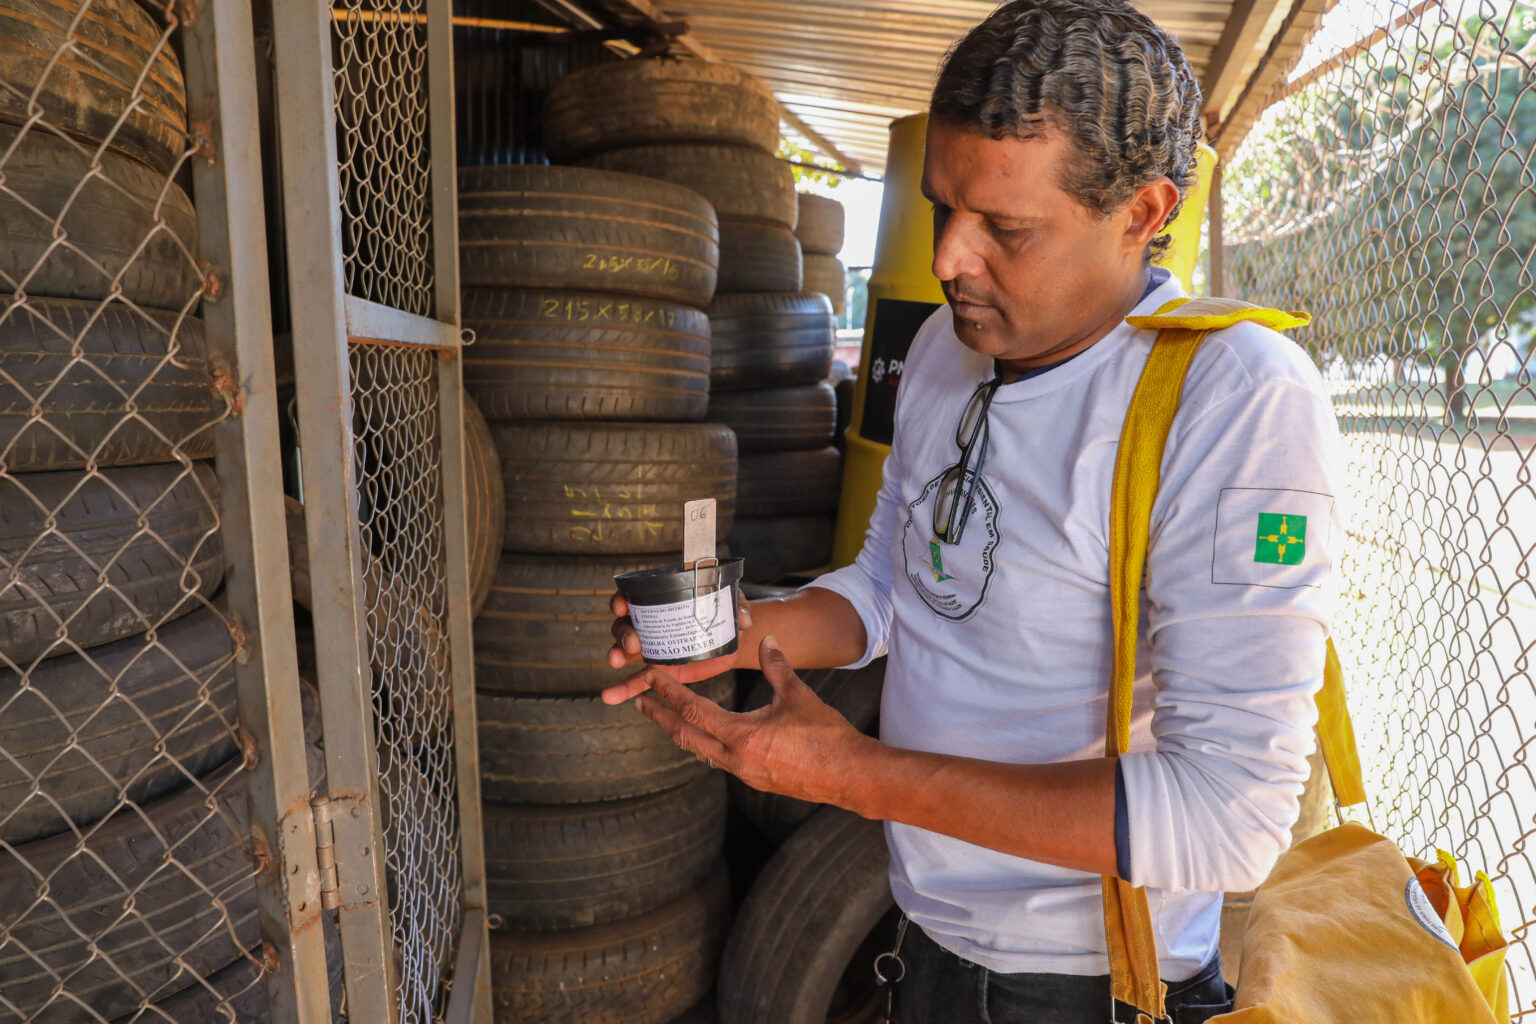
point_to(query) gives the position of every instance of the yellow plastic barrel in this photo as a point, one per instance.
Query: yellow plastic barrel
(902, 294)
(1184, 251)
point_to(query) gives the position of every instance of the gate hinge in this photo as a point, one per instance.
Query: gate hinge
(325, 851)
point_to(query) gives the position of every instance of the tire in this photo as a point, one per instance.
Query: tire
(402, 631)
(780, 545)
(790, 483)
(854, 694)
(828, 276)
(646, 970)
(101, 57)
(152, 575)
(820, 225)
(236, 992)
(298, 553)
(769, 341)
(84, 399)
(596, 489)
(566, 355)
(758, 257)
(485, 505)
(133, 719)
(809, 914)
(845, 388)
(778, 419)
(702, 1012)
(590, 864)
(740, 182)
(545, 629)
(174, 902)
(150, 899)
(485, 512)
(232, 993)
(560, 750)
(571, 227)
(637, 102)
(106, 217)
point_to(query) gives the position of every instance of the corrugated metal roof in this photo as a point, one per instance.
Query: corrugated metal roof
(843, 69)
(847, 68)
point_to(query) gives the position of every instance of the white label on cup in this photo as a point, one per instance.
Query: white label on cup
(698, 530)
(686, 628)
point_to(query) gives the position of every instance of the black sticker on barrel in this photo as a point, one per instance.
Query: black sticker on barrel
(894, 323)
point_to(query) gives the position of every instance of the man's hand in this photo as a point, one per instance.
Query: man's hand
(800, 747)
(797, 745)
(626, 651)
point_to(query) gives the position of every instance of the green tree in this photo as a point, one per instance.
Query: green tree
(811, 168)
(1396, 199)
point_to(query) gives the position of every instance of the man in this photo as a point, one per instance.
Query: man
(1060, 142)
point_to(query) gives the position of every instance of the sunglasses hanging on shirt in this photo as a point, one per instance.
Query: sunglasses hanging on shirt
(952, 504)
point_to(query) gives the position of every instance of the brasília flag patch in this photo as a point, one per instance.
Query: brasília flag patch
(1271, 537)
(1282, 539)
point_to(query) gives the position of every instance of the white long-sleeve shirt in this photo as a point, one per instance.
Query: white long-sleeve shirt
(1000, 646)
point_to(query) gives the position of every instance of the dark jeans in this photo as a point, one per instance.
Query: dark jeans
(942, 988)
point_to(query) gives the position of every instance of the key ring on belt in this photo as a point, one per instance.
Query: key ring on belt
(890, 968)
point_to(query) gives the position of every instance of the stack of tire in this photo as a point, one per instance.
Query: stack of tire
(714, 129)
(820, 230)
(586, 289)
(791, 466)
(125, 875)
(774, 395)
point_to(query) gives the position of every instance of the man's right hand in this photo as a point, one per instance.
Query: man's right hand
(626, 651)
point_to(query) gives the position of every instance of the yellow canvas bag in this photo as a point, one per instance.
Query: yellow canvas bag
(1472, 920)
(1345, 928)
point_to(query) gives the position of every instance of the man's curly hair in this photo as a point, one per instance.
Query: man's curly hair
(1099, 70)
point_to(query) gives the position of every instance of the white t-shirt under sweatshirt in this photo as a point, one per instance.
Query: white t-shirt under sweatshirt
(1000, 646)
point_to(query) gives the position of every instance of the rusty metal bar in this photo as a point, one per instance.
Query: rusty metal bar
(459, 21)
(221, 100)
(374, 322)
(474, 948)
(306, 114)
(471, 995)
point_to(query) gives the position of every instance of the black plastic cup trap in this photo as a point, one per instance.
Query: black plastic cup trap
(684, 614)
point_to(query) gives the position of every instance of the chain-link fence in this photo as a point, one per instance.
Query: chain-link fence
(380, 50)
(387, 458)
(142, 863)
(394, 392)
(1390, 189)
(126, 868)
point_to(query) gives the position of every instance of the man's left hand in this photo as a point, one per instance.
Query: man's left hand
(797, 745)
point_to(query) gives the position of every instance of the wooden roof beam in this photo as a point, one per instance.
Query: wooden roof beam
(1300, 24)
(1239, 39)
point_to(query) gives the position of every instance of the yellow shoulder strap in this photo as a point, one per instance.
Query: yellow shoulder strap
(1208, 314)
(1336, 734)
(1181, 324)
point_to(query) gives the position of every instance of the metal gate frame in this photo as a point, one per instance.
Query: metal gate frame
(326, 322)
(219, 67)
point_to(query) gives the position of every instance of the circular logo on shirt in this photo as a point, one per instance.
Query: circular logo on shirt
(952, 579)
